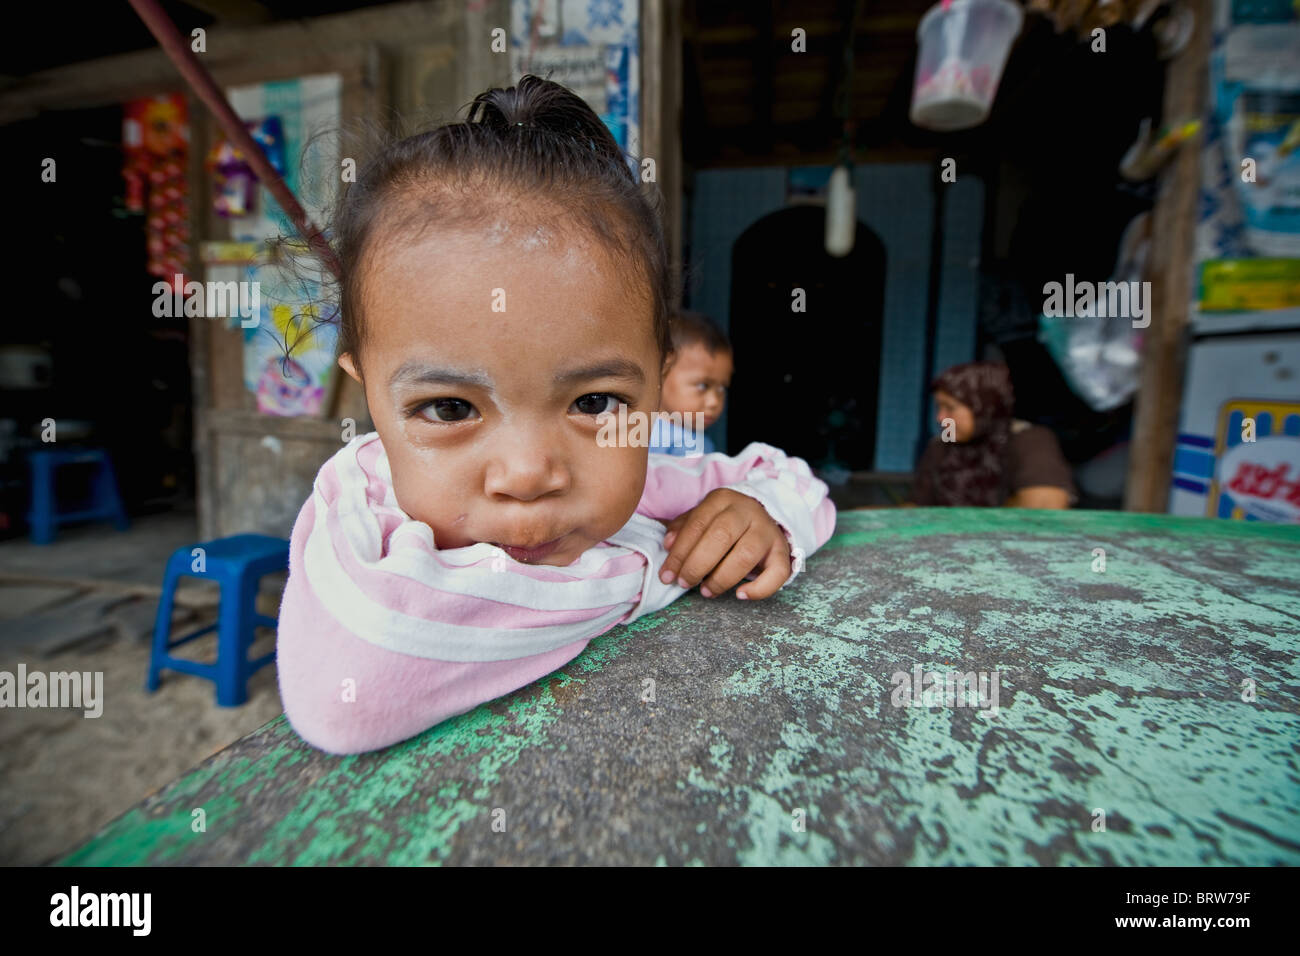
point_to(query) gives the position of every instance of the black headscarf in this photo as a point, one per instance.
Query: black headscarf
(970, 473)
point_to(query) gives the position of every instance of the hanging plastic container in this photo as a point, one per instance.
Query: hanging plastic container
(963, 48)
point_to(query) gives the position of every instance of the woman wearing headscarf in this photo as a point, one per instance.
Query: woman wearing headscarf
(983, 456)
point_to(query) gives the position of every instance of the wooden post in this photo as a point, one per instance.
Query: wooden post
(1160, 386)
(199, 327)
(661, 117)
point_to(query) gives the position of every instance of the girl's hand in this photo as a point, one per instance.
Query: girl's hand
(724, 539)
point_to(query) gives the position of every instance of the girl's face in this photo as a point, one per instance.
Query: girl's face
(490, 418)
(963, 418)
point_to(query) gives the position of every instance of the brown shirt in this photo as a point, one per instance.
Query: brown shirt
(1033, 457)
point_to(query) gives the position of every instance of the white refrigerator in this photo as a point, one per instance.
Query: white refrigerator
(1238, 451)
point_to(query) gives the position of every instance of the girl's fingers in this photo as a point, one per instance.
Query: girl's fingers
(771, 578)
(670, 535)
(690, 528)
(744, 557)
(710, 547)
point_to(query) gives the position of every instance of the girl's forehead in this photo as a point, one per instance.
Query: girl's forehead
(476, 300)
(512, 256)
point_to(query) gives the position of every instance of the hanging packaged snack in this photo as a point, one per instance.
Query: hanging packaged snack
(234, 181)
(155, 141)
(1257, 100)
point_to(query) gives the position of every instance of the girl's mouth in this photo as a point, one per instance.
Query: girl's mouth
(534, 554)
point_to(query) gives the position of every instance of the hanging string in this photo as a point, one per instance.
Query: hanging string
(844, 96)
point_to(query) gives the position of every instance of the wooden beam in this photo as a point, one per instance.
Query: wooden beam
(831, 92)
(232, 54)
(796, 154)
(764, 65)
(1160, 385)
(235, 13)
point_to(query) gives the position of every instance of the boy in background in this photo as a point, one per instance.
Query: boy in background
(695, 388)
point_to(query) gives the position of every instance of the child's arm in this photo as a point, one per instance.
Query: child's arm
(345, 694)
(379, 642)
(382, 636)
(784, 485)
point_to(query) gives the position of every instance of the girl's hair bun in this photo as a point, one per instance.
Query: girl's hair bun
(536, 139)
(535, 105)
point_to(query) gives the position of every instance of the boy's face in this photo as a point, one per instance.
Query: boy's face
(490, 418)
(697, 382)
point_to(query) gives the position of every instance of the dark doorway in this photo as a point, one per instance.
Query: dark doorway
(119, 378)
(807, 381)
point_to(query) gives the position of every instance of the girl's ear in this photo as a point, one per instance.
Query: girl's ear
(348, 365)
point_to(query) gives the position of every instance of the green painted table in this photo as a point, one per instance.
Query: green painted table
(774, 734)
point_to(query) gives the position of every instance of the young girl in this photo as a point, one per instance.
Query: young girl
(504, 291)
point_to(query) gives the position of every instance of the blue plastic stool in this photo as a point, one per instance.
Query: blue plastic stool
(238, 564)
(105, 502)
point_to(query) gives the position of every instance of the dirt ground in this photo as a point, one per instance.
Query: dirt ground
(64, 775)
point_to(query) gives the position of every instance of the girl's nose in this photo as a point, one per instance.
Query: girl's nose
(525, 469)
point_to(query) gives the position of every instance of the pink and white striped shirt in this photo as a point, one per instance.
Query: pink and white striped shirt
(383, 635)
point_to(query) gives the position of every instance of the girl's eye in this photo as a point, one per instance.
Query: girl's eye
(596, 403)
(447, 410)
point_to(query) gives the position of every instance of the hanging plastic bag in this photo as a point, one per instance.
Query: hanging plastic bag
(1099, 357)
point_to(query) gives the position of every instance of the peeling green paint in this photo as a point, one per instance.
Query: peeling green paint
(1120, 692)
